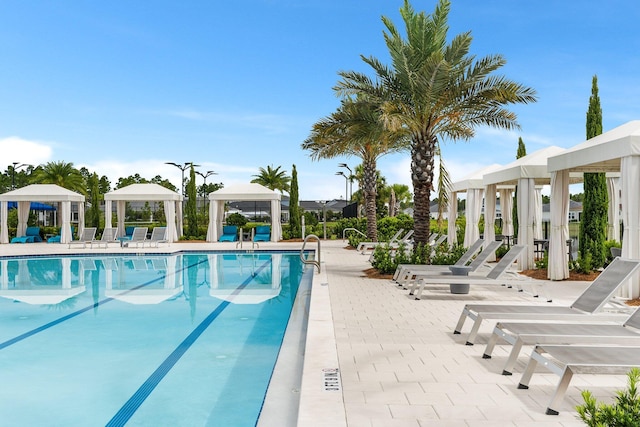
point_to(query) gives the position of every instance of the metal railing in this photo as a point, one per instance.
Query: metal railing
(315, 262)
(344, 232)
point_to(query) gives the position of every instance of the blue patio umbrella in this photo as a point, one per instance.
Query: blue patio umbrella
(35, 206)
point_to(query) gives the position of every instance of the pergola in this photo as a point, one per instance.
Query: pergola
(146, 192)
(242, 192)
(615, 151)
(50, 193)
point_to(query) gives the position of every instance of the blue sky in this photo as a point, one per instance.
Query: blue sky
(123, 86)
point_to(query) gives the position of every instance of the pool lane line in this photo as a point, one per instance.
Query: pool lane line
(53, 323)
(135, 401)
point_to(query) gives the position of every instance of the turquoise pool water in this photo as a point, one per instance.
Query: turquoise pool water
(177, 340)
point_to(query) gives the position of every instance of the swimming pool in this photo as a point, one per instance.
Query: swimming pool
(187, 339)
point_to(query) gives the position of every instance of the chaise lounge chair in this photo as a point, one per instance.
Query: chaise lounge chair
(158, 235)
(494, 276)
(405, 273)
(109, 235)
(370, 246)
(263, 233)
(591, 301)
(56, 238)
(86, 237)
(229, 234)
(31, 235)
(565, 360)
(519, 334)
(138, 237)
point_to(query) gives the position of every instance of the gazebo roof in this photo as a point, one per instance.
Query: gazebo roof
(474, 179)
(533, 165)
(245, 192)
(143, 192)
(42, 193)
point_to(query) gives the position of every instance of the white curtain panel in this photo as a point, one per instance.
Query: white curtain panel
(506, 207)
(80, 218)
(490, 217)
(170, 216)
(613, 213)
(276, 227)
(473, 212)
(212, 234)
(630, 174)
(23, 217)
(65, 227)
(452, 237)
(180, 219)
(107, 214)
(4, 232)
(537, 222)
(120, 213)
(526, 215)
(558, 268)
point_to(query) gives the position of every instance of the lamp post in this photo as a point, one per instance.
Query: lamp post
(16, 165)
(205, 175)
(346, 187)
(344, 165)
(182, 169)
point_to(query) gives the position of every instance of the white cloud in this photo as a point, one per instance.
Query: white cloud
(15, 149)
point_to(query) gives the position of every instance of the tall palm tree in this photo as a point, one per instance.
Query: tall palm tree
(356, 129)
(435, 90)
(273, 179)
(62, 174)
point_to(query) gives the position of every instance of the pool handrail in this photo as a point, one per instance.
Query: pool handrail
(306, 261)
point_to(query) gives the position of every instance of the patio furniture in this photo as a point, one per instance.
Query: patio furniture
(229, 233)
(31, 235)
(138, 236)
(87, 235)
(263, 233)
(158, 235)
(592, 300)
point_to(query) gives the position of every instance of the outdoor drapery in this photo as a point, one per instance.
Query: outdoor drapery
(80, 215)
(170, 217)
(276, 226)
(630, 175)
(180, 218)
(490, 217)
(4, 211)
(452, 235)
(526, 216)
(107, 214)
(506, 207)
(120, 212)
(23, 217)
(613, 213)
(558, 268)
(537, 222)
(65, 227)
(472, 214)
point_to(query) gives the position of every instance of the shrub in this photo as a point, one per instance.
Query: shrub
(582, 264)
(236, 219)
(383, 259)
(543, 263)
(501, 251)
(447, 256)
(624, 412)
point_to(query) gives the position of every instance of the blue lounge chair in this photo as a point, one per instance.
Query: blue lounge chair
(229, 233)
(263, 233)
(30, 236)
(56, 239)
(128, 232)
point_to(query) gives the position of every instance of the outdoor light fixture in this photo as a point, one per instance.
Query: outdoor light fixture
(346, 186)
(350, 178)
(182, 169)
(16, 166)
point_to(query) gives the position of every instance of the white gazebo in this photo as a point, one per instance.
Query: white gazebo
(146, 192)
(527, 172)
(617, 150)
(242, 192)
(474, 187)
(50, 193)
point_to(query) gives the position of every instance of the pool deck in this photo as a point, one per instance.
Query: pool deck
(399, 363)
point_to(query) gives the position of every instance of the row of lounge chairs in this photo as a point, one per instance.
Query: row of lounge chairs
(262, 233)
(137, 237)
(580, 338)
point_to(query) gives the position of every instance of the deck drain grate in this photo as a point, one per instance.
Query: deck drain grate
(331, 379)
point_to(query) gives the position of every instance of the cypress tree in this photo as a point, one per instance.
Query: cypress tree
(190, 206)
(295, 225)
(522, 151)
(593, 224)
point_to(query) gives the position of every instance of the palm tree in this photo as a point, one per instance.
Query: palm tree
(435, 90)
(356, 129)
(62, 174)
(273, 179)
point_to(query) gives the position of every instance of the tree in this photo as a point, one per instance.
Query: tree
(62, 174)
(521, 152)
(593, 224)
(190, 208)
(356, 129)
(295, 225)
(273, 179)
(434, 90)
(93, 213)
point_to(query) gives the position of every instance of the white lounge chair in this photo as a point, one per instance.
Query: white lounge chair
(138, 237)
(87, 235)
(409, 272)
(530, 333)
(158, 235)
(592, 300)
(109, 235)
(566, 360)
(495, 275)
(369, 246)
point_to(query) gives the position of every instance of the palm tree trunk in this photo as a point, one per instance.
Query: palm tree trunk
(422, 162)
(370, 192)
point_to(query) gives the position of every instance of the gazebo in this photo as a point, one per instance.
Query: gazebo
(146, 192)
(617, 150)
(529, 173)
(41, 193)
(242, 192)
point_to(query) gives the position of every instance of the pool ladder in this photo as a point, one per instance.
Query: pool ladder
(307, 261)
